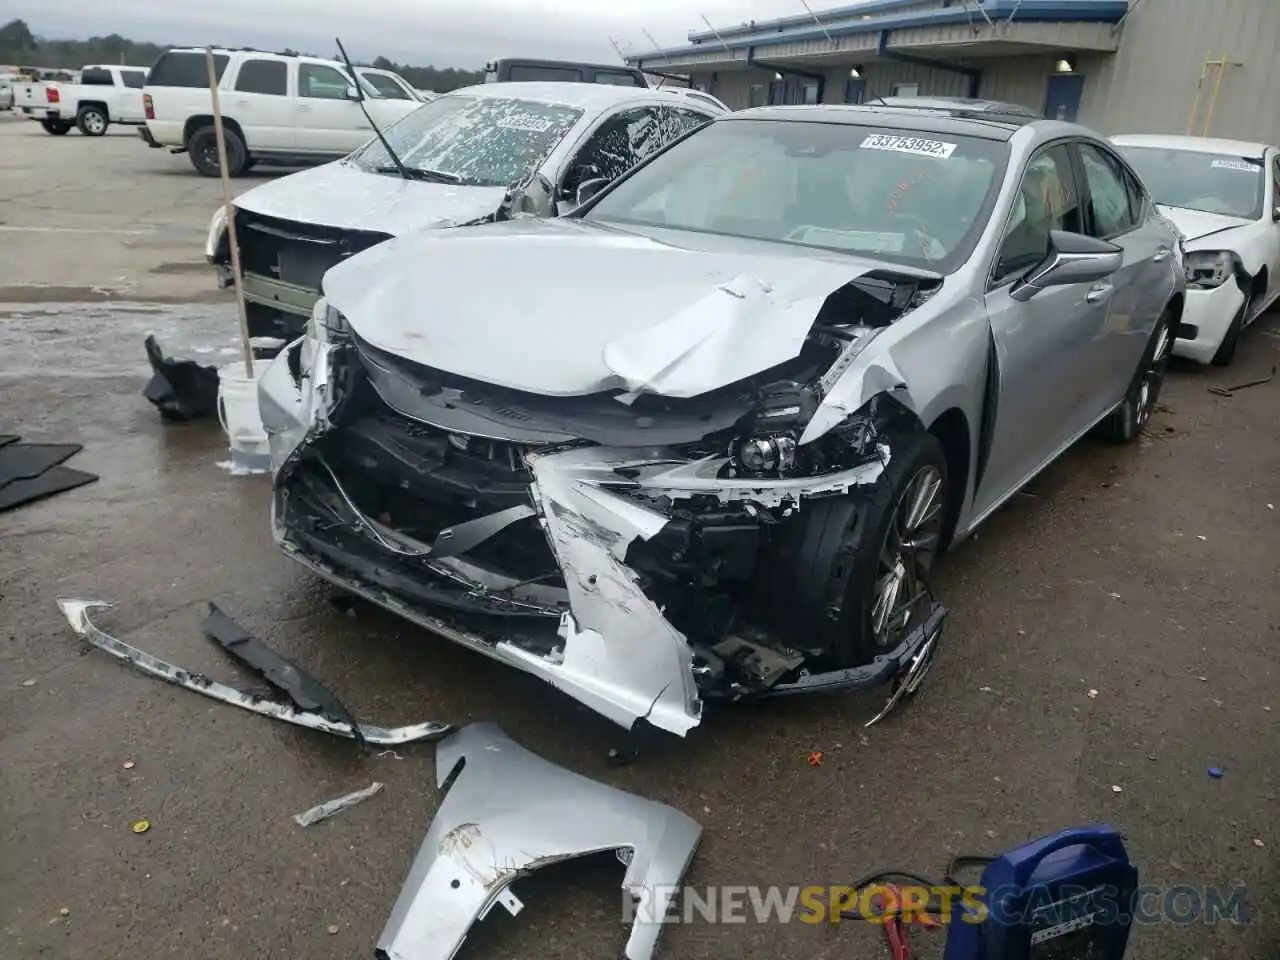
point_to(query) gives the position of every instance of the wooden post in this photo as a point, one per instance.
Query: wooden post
(230, 210)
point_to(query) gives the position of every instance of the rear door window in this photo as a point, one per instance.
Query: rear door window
(185, 70)
(264, 76)
(95, 77)
(133, 78)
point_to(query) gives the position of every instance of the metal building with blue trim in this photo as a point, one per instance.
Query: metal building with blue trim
(1118, 65)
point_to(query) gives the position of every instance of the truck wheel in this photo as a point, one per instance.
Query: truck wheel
(92, 121)
(55, 127)
(202, 147)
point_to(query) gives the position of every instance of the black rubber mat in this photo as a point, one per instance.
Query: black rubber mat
(27, 461)
(54, 480)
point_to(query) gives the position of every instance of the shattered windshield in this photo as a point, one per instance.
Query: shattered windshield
(474, 141)
(899, 195)
(1195, 180)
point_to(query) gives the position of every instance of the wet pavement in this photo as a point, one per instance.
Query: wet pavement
(1146, 573)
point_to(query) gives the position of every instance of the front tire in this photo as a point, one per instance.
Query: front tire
(1126, 422)
(853, 570)
(202, 147)
(92, 121)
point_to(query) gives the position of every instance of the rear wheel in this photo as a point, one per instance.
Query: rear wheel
(92, 121)
(202, 147)
(854, 568)
(1126, 422)
(55, 127)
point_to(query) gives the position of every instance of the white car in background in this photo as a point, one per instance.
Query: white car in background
(480, 153)
(1224, 197)
(389, 84)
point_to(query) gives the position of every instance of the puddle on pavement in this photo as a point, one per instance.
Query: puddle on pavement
(94, 340)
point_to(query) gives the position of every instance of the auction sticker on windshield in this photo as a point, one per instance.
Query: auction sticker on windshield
(923, 148)
(1244, 166)
(525, 122)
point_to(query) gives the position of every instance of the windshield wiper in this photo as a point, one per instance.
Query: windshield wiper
(420, 173)
(355, 79)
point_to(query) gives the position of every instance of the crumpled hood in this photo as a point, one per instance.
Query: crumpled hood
(1195, 224)
(340, 195)
(565, 307)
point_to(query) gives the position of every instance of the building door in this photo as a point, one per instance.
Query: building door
(1063, 100)
(795, 90)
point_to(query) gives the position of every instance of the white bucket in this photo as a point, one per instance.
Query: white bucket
(238, 411)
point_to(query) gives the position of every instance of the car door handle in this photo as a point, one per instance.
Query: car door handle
(1161, 255)
(1098, 292)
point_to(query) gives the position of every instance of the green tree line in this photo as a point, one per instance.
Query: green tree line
(18, 46)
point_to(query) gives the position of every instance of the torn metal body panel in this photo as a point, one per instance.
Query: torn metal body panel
(720, 461)
(77, 615)
(507, 813)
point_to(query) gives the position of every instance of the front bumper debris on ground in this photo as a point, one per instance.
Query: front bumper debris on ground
(508, 813)
(77, 615)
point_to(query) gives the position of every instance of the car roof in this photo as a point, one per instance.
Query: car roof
(1238, 148)
(587, 96)
(925, 121)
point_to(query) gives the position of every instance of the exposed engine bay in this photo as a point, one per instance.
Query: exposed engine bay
(640, 552)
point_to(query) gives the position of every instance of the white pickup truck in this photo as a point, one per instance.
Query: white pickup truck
(276, 108)
(105, 94)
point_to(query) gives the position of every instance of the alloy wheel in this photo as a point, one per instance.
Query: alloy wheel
(95, 122)
(1153, 377)
(910, 545)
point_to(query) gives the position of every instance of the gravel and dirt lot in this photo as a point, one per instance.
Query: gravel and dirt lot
(1147, 574)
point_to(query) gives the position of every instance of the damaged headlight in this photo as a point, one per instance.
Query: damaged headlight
(769, 443)
(1209, 269)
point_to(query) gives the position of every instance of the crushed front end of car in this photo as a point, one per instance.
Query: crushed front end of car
(639, 551)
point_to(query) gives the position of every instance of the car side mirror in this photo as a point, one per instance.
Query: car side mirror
(1275, 214)
(589, 188)
(1073, 258)
(352, 93)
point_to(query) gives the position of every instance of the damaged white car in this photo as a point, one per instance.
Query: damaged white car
(1224, 195)
(480, 153)
(705, 436)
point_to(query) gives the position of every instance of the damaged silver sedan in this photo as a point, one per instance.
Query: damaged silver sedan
(705, 436)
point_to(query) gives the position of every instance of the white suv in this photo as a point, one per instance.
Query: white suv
(277, 108)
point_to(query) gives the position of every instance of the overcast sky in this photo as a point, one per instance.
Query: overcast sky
(442, 33)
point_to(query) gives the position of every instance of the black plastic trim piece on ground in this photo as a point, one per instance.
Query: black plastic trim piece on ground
(180, 389)
(286, 676)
